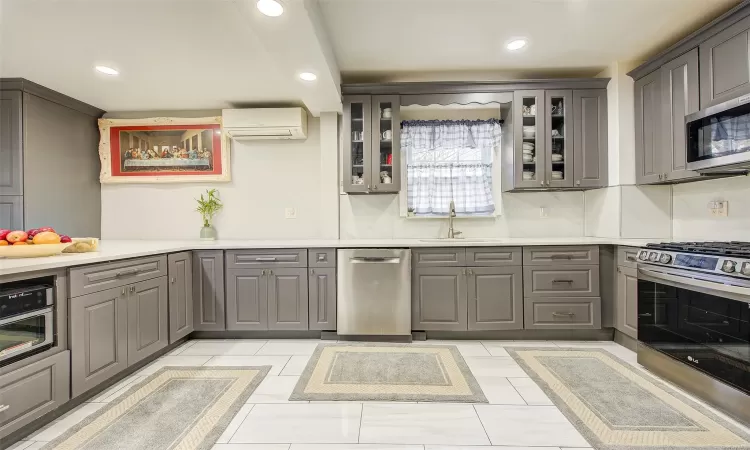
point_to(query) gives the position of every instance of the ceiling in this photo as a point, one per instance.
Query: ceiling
(208, 54)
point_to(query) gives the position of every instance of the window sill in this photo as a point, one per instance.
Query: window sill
(491, 216)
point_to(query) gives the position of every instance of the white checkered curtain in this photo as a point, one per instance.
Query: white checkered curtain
(450, 160)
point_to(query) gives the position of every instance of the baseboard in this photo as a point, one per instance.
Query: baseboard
(302, 334)
(626, 341)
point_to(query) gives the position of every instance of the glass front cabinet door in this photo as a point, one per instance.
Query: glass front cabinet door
(529, 128)
(558, 113)
(372, 150)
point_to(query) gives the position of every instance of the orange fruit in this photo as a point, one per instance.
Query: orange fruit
(47, 237)
(20, 243)
(3, 242)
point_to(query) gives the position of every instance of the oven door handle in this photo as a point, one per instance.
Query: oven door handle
(35, 313)
(707, 287)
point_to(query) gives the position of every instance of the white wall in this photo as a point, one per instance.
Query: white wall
(267, 177)
(691, 218)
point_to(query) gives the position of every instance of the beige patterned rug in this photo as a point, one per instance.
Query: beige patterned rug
(184, 408)
(617, 407)
(387, 372)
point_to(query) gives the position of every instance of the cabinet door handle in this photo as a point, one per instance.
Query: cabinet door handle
(123, 291)
(312, 271)
(4, 408)
(563, 314)
(132, 289)
(563, 281)
(263, 273)
(578, 182)
(173, 280)
(270, 272)
(471, 272)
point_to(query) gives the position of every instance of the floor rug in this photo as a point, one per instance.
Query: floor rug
(387, 372)
(184, 408)
(618, 407)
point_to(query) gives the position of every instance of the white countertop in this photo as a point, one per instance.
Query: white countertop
(111, 250)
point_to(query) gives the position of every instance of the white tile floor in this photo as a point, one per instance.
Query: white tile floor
(519, 415)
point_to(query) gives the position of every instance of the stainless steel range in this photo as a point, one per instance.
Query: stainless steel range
(694, 319)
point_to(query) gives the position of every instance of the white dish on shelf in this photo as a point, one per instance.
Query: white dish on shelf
(528, 175)
(528, 146)
(528, 159)
(556, 157)
(557, 175)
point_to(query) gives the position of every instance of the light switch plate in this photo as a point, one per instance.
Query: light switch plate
(290, 213)
(719, 208)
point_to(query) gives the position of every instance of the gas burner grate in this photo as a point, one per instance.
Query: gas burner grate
(731, 248)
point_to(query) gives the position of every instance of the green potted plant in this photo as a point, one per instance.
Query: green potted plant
(208, 207)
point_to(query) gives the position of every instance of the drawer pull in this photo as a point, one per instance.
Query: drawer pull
(563, 281)
(266, 258)
(4, 408)
(126, 273)
(561, 257)
(563, 314)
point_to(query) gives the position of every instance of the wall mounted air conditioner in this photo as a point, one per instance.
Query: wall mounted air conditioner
(265, 123)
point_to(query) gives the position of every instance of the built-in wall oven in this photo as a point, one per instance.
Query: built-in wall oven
(27, 320)
(694, 309)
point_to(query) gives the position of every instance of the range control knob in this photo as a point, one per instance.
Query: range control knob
(653, 256)
(746, 269)
(643, 255)
(665, 258)
(729, 266)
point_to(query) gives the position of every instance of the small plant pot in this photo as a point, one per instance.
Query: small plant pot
(208, 233)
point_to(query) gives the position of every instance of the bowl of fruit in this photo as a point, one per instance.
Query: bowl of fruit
(33, 243)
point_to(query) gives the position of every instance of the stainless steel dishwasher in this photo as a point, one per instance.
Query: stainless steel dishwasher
(374, 292)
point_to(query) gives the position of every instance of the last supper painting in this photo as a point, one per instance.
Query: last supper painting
(162, 150)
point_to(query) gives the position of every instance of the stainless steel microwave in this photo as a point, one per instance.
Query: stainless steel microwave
(718, 137)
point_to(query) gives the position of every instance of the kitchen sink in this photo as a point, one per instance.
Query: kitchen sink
(469, 240)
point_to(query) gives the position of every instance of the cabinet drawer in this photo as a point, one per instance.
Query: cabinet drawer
(562, 313)
(32, 391)
(100, 277)
(493, 256)
(627, 256)
(433, 257)
(321, 257)
(582, 254)
(266, 258)
(553, 281)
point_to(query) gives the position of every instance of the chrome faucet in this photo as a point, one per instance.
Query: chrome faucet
(452, 234)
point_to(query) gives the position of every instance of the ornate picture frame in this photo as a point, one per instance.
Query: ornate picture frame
(163, 150)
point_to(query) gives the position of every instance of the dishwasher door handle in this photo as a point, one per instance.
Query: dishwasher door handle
(375, 260)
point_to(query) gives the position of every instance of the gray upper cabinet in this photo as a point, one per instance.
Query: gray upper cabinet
(680, 92)
(559, 135)
(589, 138)
(247, 294)
(287, 299)
(148, 319)
(356, 169)
(626, 312)
(98, 337)
(208, 290)
(11, 212)
(495, 298)
(180, 267)
(386, 144)
(725, 64)
(439, 298)
(322, 293)
(649, 166)
(11, 145)
(529, 135)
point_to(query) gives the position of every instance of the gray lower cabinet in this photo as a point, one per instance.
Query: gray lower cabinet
(32, 391)
(626, 312)
(11, 212)
(562, 313)
(649, 167)
(148, 319)
(680, 92)
(180, 269)
(322, 293)
(208, 290)
(590, 138)
(439, 299)
(725, 64)
(287, 299)
(98, 337)
(247, 299)
(495, 298)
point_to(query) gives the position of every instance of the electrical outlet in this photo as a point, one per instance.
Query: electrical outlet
(543, 212)
(719, 208)
(290, 213)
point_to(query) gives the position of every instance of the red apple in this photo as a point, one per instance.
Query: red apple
(16, 236)
(64, 239)
(32, 232)
(47, 229)
(3, 233)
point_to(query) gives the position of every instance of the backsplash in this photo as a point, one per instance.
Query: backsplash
(691, 218)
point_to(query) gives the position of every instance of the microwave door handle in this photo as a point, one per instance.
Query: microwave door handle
(708, 287)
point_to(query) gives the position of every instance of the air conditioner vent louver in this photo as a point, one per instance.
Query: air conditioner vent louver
(265, 123)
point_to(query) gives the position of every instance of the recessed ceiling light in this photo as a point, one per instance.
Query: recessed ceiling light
(270, 8)
(308, 76)
(107, 70)
(516, 44)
